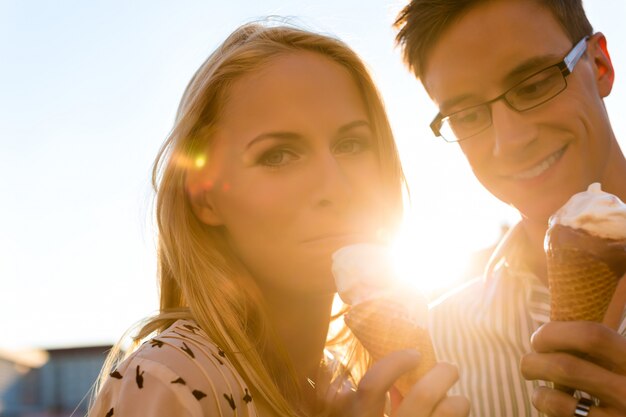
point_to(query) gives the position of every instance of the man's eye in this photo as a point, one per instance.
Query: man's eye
(536, 87)
(469, 118)
(466, 118)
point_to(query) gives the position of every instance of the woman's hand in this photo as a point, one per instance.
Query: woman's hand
(585, 356)
(426, 398)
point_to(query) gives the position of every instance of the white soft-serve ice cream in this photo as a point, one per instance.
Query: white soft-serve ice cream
(586, 253)
(385, 315)
(594, 211)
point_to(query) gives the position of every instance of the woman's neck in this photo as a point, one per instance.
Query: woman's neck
(301, 323)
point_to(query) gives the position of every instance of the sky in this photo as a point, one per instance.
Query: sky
(88, 92)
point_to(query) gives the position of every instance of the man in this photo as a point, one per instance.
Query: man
(520, 85)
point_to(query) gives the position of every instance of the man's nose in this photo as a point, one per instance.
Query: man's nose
(512, 130)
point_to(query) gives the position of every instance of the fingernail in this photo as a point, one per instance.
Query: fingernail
(413, 353)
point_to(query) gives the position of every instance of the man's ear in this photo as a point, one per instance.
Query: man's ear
(200, 192)
(604, 72)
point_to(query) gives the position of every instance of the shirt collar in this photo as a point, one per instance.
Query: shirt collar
(506, 266)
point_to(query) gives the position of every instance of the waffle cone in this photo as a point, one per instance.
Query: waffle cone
(581, 285)
(382, 327)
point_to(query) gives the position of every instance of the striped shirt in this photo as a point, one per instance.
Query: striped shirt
(485, 327)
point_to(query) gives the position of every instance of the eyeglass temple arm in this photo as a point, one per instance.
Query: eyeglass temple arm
(572, 58)
(435, 125)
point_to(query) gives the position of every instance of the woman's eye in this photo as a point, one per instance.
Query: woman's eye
(277, 157)
(351, 146)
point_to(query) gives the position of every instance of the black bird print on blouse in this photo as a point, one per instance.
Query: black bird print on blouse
(188, 351)
(247, 398)
(217, 359)
(231, 401)
(198, 394)
(179, 381)
(139, 378)
(192, 329)
(164, 354)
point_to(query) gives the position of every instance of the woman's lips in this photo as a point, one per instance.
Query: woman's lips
(335, 236)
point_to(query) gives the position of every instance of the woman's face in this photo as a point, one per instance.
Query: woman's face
(292, 173)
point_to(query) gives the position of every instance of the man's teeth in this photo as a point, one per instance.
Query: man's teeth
(539, 168)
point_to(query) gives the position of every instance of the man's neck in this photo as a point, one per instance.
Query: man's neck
(614, 178)
(535, 257)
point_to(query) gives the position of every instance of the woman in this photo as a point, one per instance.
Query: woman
(281, 153)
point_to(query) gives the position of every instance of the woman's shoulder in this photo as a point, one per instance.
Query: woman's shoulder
(183, 365)
(181, 345)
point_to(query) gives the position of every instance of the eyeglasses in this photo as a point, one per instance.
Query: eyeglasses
(527, 94)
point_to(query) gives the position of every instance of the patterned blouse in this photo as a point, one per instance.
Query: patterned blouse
(178, 373)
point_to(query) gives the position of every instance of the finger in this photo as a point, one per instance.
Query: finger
(615, 311)
(606, 346)
(372, 390)
(424, 396)
(452, 406)
(555, 403)
(574, 372)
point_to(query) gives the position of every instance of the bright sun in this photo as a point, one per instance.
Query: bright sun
(428, 263)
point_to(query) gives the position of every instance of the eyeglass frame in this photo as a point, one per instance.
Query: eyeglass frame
(566, 67)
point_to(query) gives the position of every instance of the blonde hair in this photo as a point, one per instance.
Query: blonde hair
(197, 271)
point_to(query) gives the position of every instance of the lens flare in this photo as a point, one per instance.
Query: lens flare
(200, 161)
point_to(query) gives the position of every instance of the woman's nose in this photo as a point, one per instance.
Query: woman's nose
(332, 185)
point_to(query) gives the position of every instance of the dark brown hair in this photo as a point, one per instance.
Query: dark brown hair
(422, 22)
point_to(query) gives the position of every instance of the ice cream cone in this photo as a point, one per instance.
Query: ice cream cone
(581, 285)
(385, 315)
(586, 255)
(382, 326)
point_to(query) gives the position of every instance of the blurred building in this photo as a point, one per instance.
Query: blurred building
(57, 384)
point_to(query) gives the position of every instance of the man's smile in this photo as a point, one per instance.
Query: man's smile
(540, 168)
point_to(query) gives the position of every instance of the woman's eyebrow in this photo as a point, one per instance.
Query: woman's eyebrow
(352, 125)
(274, 135)
(292, 136)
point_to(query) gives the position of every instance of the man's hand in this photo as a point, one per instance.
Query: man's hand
(584, 356)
